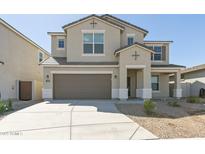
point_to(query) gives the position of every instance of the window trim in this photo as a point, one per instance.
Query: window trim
(131, 36)
(156, 91)
(60, 38)
(93, 32)
(153, 53)
(39, 52)
(128, 40)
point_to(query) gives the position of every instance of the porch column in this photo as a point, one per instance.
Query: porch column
(123, 91)
(144, 88)
(177, 85)
(147, 91)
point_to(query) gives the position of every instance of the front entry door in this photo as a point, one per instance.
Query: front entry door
(128, 86)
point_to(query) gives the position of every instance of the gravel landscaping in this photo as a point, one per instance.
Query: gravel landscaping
(184, 121)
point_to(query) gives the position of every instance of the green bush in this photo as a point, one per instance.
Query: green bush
(193, 99)
(149, 106)
(174, 104)
(5, 106)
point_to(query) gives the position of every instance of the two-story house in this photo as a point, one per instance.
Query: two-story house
(103, 57)
(21, 76)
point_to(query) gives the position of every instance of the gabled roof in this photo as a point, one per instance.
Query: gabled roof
(194, 68)
(22, 35)
(156, 41)
(135, 44)
(92, 16)
(167, 66)
(125, 22)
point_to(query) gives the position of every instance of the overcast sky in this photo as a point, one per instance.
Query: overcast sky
(187, 31)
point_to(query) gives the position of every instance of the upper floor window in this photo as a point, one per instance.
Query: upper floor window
(93, 43)
(155, 82)
(130, 40)
(158, 53)
(40, 57)
(61, 43)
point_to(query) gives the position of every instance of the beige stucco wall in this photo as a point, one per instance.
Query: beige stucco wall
(126, 58)
(163, 86)
(75, 42)
(55, 51)
(167, 52)
(138, 35)
(21, 62)
(37, 90)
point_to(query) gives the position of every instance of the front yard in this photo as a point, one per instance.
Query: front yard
(167, 121)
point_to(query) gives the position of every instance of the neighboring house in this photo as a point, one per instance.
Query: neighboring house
(20, 72)
(103, 57)
(193, 80)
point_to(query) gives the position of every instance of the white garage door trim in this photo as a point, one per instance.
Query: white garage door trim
(81, 72)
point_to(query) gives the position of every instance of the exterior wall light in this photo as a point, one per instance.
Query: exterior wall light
(47, 78)
(1, 63)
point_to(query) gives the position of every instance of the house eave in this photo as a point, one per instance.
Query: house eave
(126, 48)
(23, 36)
(56, 33)
(88, 18)
(77, 66)
(156, 42)
(127, 24)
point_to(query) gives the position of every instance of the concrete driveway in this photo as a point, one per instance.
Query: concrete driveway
(94, 119)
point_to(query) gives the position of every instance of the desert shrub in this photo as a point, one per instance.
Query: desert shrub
(10, 104)
(193, 99)
(174, 104)
(149, 106)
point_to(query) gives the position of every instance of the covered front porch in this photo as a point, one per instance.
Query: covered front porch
(160, 81)
(135, 82)
(142, 82)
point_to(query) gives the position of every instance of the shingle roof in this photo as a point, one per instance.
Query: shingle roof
(136, 43)
(157, 41)
(93, 15)
(63, 61)
(108, 15)
(56, 33)
(167, 65)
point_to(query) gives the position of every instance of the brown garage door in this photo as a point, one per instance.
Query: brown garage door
(82, 86)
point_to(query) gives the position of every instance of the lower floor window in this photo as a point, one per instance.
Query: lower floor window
(155, 82)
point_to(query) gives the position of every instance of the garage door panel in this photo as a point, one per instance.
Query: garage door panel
(85, 86)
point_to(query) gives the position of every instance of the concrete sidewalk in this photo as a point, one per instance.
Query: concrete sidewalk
(73, 120)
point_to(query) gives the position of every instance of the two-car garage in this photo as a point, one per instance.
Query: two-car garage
(82, 86)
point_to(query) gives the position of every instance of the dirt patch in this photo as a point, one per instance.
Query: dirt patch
(186, 121)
